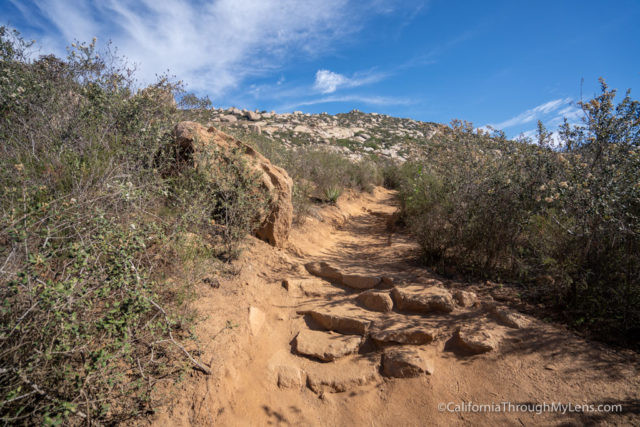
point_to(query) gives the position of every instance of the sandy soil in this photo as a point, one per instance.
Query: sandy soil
(249, 325)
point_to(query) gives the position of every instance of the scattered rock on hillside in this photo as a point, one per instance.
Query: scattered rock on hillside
(376, 300)
(326, 346)
(432, 299)
(202, 143)
(405, 362)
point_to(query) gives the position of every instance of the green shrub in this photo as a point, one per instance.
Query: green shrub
(562, 221)
(88, 223)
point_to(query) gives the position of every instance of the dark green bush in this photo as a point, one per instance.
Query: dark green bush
(565, 221)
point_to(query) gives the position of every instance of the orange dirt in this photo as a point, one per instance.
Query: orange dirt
(258, 379)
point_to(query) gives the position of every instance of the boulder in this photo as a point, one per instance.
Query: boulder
(254, 117)
(403, 362)
(376, 300)
(428, 300)
(197, 145)
(326, 346)
(228, 118)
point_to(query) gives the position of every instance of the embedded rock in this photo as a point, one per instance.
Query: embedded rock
(398, 332)
(475, 340)
(404, 362)
(341, 321)
(428, 300)
(376, 301)
(326, 346)
(343, 375)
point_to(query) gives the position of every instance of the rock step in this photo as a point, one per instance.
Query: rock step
(423, 300)
(326, 346)
(344, 319)
(399, 332)
(344, 375)
(355, 281)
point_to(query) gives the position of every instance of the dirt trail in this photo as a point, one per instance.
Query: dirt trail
(261, 376)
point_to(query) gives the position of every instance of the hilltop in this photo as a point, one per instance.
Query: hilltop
(355, 134)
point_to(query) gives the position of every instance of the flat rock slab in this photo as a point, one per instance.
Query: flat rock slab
(324, 270)
(405, 362)
(376, 300)
(427, 300)
(328, 272)
(357, 281)
(311, 287)
(343, 375)
(398, 332)
(341, 319)
(476, 340)
(326, 346)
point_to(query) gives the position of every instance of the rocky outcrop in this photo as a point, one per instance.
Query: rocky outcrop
(465, 298)
(198, 145)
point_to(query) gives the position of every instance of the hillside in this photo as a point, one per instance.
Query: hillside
(354, 134)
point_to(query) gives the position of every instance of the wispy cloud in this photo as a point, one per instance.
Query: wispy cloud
(214, 45)
(364, 99)
(533, 113)
(328, 81)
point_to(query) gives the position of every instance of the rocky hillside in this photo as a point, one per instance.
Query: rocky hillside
(356, 134)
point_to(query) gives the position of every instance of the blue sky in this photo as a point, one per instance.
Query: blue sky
(500, 63)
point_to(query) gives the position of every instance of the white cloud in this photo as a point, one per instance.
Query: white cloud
(328, 81)
(369, 100)
(533, 113)
(212, 45)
